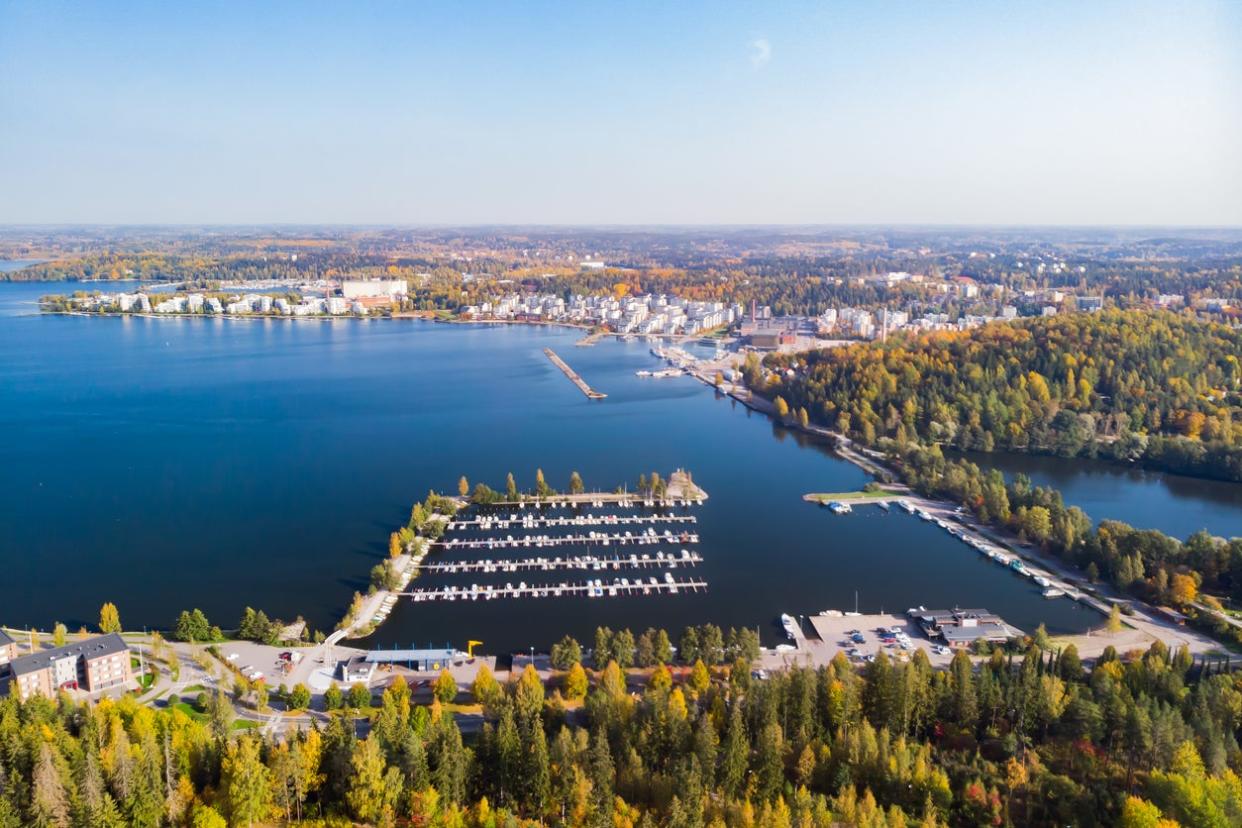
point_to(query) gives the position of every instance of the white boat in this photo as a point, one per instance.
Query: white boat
(790, 625)
(840, 508)
(1053, 592)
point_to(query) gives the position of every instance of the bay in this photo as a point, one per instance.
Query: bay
(221, 463)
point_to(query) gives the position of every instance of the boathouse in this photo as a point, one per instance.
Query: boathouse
(427, 660)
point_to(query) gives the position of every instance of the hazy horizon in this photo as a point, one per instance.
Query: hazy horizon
(1109, 116)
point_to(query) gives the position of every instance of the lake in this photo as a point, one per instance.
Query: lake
(221, 463)
(1174, 504)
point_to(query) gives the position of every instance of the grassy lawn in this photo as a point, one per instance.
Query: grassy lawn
(824, 497)
(190, 711)
(246, 724)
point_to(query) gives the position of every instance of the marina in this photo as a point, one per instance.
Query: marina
(951, 523)
(590, 392)
(596, 588)
(596, 562)
(531, 521)
(589, 539)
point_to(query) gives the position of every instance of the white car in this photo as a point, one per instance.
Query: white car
(231, 657)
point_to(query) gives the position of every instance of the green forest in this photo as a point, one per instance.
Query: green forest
(1141, 739)
(1136, 386)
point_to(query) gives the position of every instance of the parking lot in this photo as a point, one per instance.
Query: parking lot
(257, 661)
(859, 637)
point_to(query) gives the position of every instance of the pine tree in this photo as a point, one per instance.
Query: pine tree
(246, 781)
(365, 795)
(49, 803)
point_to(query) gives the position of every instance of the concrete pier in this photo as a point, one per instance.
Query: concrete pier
(573, 376)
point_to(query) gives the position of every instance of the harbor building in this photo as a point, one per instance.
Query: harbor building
(357, 670)
(432, 659)
(960, 628)
(93, 665)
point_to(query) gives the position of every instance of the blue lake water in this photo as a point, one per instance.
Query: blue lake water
(1174, 504)
(173, 463)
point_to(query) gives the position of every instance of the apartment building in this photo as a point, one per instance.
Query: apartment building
(92, 665)
(8, 652)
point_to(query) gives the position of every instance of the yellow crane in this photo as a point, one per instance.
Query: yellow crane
(470, 647)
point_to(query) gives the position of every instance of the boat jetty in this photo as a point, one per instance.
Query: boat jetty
(590, 392)
(596, 588)
(578, 526)
(596, 562)
(589, 539)
(532, 521)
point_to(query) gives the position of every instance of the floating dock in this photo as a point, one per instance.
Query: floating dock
(592, 589)
(573, 376)
(596, 562)
(530, 521)
(589, 539)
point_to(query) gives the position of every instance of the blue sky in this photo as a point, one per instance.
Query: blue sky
(418, 113)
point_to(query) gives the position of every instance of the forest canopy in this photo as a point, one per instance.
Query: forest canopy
(1131, 385)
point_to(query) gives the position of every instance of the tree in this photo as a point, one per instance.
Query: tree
(486, 689)
(445, 688)
(49, 802)
(576, 682)
(1183, 590)
(529, 694)
(463, 486)
(205, 816)
(366, 794)
(333, 698)
(511, 491)
(109, 618)
(394, 545)
(299, 697)
(359, 697)
(700, 679)
(1139, 813)
(663, 647)
(782, 407)
(541, 485)
(1114, 619)
(566, 653)
(192, 626)
(59, 632)
(575, 484)
(245, 780)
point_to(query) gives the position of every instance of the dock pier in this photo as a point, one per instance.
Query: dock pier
(529, 521)
(589, 539)
(596, 562)
(592, 589)
(590, 392)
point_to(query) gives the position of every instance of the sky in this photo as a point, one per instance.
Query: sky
(421, 113)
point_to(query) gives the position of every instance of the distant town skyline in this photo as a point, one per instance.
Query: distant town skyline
(1110, 114)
